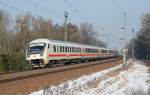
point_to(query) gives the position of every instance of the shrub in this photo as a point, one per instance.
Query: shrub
(13, 62)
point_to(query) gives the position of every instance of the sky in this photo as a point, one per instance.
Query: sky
(107, 16)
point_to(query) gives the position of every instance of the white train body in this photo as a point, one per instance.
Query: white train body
(41, 52)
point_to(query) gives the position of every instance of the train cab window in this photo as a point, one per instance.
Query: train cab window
(54, 47)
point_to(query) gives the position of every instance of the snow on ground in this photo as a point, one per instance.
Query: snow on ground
(126, 82)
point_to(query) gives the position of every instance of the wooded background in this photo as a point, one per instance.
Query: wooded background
(142, 40)
(16, 33)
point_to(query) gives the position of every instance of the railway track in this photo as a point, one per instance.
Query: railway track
(33, 73)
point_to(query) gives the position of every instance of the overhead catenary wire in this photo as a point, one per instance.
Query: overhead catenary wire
(71, 6)
(47, 10)
(117, 5)
(11, 7)
(124, 16)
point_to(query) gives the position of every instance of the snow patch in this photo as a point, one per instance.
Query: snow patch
(125, 83)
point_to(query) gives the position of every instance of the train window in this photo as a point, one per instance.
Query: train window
(83, 50)
(103, 51)
(60, 48)
(74, 50)
(54, 48)
(57, 48)
(68, 49)
(71, 49)
(48, 45)
(110, 51)
(65, 49)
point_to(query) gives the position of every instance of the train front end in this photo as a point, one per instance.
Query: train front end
(35, 53)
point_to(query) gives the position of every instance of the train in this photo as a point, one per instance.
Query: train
(45, 52)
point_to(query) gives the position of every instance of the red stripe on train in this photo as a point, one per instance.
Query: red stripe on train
(60, 55)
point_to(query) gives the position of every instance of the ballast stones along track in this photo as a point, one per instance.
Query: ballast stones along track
(33, 73)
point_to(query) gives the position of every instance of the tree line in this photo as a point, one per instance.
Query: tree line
(142, 40)
(16, 33)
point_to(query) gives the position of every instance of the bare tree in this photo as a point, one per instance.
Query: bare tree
(4, 37)
(24, 35)
(87, 32)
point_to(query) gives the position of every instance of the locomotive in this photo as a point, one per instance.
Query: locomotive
(44, 52)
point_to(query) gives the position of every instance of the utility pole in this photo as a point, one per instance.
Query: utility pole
(66, 26)
(132, 43)
(125, 21)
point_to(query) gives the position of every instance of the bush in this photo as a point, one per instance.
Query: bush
(14, 62)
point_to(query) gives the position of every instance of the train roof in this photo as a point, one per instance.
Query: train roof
(56, 42)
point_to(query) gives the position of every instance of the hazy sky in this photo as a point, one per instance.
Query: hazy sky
(105, 15)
